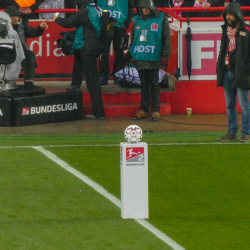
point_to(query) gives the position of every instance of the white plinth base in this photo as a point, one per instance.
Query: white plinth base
(134, 180)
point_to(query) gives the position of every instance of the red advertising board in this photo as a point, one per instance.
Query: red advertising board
(204, 50)
(50, 59)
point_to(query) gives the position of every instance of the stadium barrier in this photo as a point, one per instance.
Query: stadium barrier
(197, 93)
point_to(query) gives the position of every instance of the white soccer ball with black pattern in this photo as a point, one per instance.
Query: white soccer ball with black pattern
(133, 133)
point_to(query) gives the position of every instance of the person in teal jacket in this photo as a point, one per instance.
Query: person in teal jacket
(87, 47)
(122, 11)
(150, 49)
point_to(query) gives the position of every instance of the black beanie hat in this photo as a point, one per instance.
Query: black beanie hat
(13, 11)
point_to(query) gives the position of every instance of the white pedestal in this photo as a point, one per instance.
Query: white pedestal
(134, 180)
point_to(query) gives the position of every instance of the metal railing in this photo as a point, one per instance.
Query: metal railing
(168, 11)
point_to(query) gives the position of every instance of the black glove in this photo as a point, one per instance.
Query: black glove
(127, 23)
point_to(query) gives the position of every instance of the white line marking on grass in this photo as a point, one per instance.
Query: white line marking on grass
(81, 176)
(109, 196)
(150, 144)
(160, 234)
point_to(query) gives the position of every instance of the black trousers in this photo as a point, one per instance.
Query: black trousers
(87, 64)
(29, 65)
(117, 44)
(150, 89)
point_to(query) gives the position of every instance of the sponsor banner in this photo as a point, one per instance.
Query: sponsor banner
(50, 59)
(205, 48)
(47, 108)
(135, 156)
(5, 111)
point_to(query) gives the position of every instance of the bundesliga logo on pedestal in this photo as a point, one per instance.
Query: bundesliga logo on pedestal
(133, 133)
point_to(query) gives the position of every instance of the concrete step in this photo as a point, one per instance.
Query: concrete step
(125, 110)
(124, 98)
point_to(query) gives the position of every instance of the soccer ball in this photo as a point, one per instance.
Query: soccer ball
(133, 133)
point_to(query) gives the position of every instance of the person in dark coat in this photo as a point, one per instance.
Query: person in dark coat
(87, 47)
(233, 70)
(150, 49)
(122, 11)
(24, 32)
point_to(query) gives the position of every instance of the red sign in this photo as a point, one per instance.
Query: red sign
(132, 153)
(50, 59)
(25, 111)
(154, 27)
(204, 48)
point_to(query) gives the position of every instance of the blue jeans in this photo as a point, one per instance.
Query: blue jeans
(243, 98)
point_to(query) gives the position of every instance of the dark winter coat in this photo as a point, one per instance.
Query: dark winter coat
(166, 36)
(130, 13)
(93, 44)
(242, 60)
(25, 32)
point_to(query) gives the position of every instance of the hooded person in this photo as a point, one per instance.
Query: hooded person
(26, 7)
(233, 70)
(9, 73)
(87, 47)
(150, 49)
(24, 32)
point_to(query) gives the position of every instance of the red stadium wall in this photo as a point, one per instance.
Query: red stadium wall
(201, 95)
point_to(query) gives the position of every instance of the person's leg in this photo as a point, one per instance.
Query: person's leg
(155, 94)
(29, 65)
(243, 97)
(145, 90)
(155, 89)
(104, 63)
(117, 44)
(230, 95)
(94, 88)
(78, 72)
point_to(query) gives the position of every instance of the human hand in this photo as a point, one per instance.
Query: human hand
(44, 25)
(206, 5)
(26, 10)
(55, 17)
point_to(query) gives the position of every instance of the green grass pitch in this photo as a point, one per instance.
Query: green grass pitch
(199, 194)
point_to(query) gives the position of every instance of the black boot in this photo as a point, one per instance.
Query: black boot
(73, 88)
(29, 85)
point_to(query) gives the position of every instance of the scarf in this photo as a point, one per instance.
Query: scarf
(178, 4)
(231, 35)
